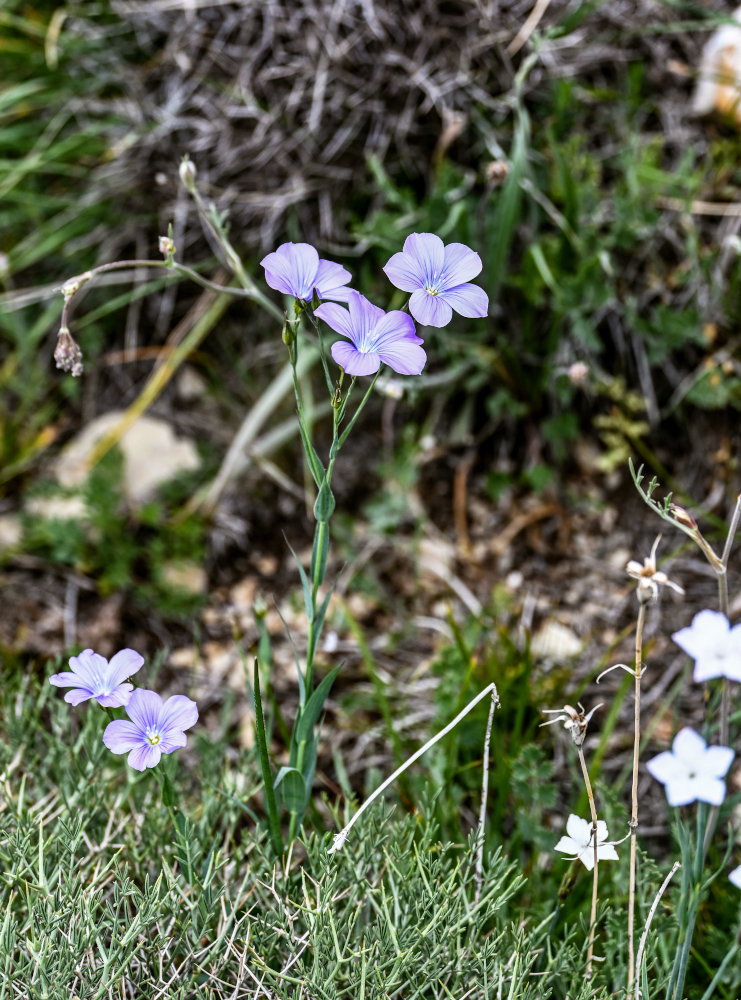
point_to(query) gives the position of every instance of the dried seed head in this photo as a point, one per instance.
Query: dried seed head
(68, 354)
(576, 721)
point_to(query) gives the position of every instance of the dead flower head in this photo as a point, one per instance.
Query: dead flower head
(575, 721)
(649, 578)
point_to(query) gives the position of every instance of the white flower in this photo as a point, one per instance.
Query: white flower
(735, 877)
(575, 721)
(713, 645)
(648, 577)
(692, 770)
(579, 842)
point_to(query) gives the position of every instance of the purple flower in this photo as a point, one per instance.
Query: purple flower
(156, 727)
(438, 278)
(92, 676)
(376, 337)
(295, 269)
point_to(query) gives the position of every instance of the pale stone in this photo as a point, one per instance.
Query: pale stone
(186, 576)
(11, 531)
(152, 454)
(554, 641)
(58, 508)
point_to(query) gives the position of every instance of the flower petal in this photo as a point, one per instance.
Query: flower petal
(355, 362)
(404, 356)
(578, 829)
(665, 767)
(428, 250)
(144, 756)
(717, 761)
(461, 264)
(430, 310)
(708, 629)
(178, 713)
(735, 877)
(121, 736)
(144, 708)
(90, 668)
(118, 698)
(65, 679)
(405, 272)
(468, 300)
(330, 278)
(689, 747)
(173, 739)
(292, 269)
(336, 318)
(121, 666)
(567, 845)
(77, 695)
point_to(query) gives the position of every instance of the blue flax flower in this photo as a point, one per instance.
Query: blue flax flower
(438, 277)
(375, 336)
(156, 727)
(296, 269)
(92, 676)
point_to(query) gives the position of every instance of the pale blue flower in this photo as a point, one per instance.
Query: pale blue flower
(92, 676)
(438, 277)
(296, 269)
(375, 337)
(156, 727)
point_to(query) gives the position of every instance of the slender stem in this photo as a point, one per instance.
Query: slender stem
(634, 792)
(341, 837)
(480, 835)
(651, 912)
(595, 876)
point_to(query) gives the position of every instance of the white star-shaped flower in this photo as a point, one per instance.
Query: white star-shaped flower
(649, 578)
(713, 645)
(692, 771)
(579, 842)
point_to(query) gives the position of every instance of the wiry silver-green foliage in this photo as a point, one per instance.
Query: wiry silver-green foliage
(96, 902)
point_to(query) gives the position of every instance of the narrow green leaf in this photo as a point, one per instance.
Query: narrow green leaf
(312, 709)
(324, 504)
(319, 553)
(290, 783)
(267, 777)
(305, 585)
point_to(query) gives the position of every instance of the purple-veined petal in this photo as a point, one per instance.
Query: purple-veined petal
(65, 679)
(144, 708)
(405, 272)
(461, 264)
(395, 325)
(428, 250)
(330, 281)
(468, 300)
(337, 318)
(121, 666)
(355, 362)
(292, 268)
(90, 668)
(173, 739)
(77, 695)
(178, 713)
(364, 317)
(429, 310)
(144, 756)
(118, 698)
(120, 736)
(404, 356)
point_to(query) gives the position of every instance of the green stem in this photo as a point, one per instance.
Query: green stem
(267, 775)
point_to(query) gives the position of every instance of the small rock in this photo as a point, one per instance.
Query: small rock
(554, 641)
(152, 455)
(189, 577)
(11, 531)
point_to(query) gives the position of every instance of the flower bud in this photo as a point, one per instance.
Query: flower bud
(166, 246)
(188, 174)
(682, 516)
